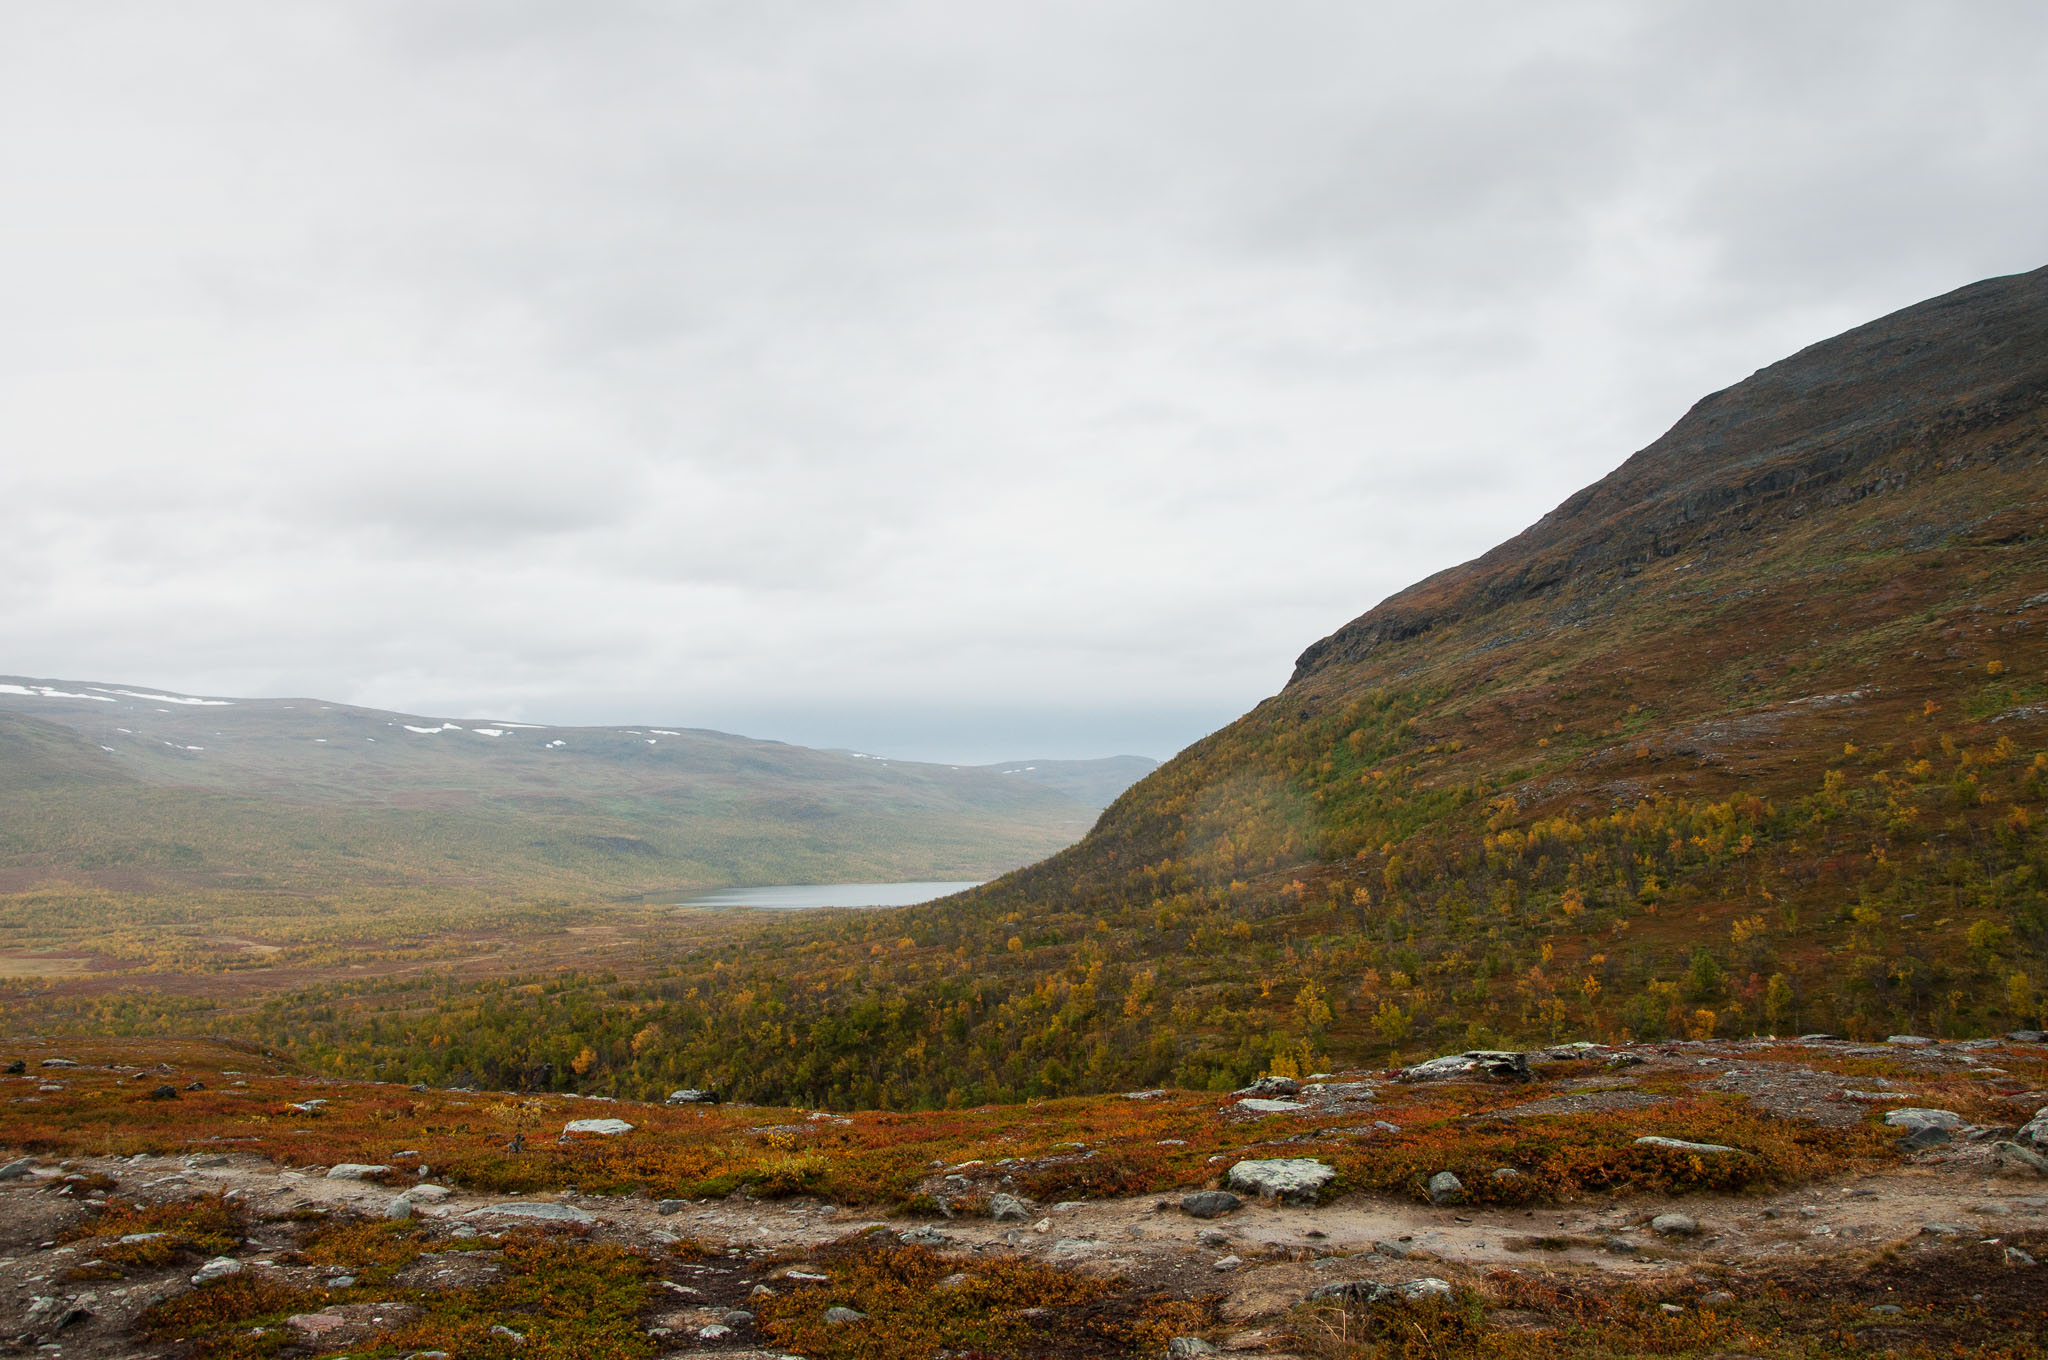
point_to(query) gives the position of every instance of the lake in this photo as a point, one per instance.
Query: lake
(802, 896)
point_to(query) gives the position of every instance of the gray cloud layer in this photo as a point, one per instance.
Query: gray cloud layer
(952, 379)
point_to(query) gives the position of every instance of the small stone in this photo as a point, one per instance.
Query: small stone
(342, 1282)
(1228, 1263)
(219, 1268)
(665, 1207)
(1181, 1347)
(400, 1208)
(2015, 1257)
(16, 1169)
(841, 1316)
(1210, 1204)
(1910, 1041)
(516, 1338)
(427, 1194)
(354, 1171)
(164, 1093)
(1673, 1225)
(1445, 1188)
(1212, 1237)
(738, 1317)
(205, 1163)
(1397, 1250)
(1719, 1298)
(1887, 1309)
(923, 1237)
(716, 1331)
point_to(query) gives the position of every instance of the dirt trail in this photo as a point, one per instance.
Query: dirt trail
(1263, 1258)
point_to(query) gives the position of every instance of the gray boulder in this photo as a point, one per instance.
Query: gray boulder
(1272, 1086)
(1915, 1118)
(1008, 1209)
(838, 1316)
(355, 1171)
(690, 1095)
(1210, 1204)
(1445, 1188)
(2035, 1130)
(16, 1169)
(1674, 1225)
(1291, 1180)
(1182, 1347)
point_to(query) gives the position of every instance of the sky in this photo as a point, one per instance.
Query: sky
(947, 380)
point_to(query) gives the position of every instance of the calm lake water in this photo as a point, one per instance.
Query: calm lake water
(800, 896)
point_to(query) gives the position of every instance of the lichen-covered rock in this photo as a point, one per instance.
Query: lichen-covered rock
(609, 1128)
(1915, 1118)
(1446, 1188)
(1492, 1063)
(219, 1268)
(1370, 1292)
(1255, 1105)
(1005, 1208)
(2035, 1130)
(1272, 1086)
(355, 1171)
(1291, 1180)
(2010, 1159)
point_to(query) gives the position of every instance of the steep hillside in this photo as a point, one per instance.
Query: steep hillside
(105, 785)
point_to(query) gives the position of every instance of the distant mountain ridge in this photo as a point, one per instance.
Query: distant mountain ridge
(613, 809)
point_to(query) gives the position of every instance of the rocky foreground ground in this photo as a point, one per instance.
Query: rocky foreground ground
(1933, 1243)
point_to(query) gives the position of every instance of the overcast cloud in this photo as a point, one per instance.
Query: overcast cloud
(953, 380)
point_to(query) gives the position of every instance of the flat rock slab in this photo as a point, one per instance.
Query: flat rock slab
(1289, 1179)
(355, 1171)
(1680, 1145)
(1791, 1093)
(1585, 1102)
(607, 1127)
(540, 1209)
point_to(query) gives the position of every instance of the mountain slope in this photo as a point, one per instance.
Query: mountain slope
(121, 784)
